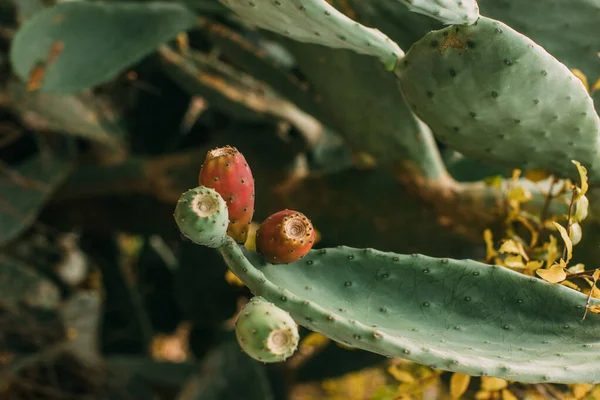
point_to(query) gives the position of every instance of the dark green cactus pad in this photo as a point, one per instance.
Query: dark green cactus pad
(456, 315)
(491, 93)
(316, 21)
(447, 11)
(22, 284)
(25, 190)
(201, 216)
(77, 45)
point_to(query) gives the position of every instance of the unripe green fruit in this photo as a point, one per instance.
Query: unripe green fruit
(201, 215)
(266, 332)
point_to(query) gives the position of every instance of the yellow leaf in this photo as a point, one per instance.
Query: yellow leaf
(577, 268)
(570, 284)
(508, 395)
(594, 309)
(483, 395)
(575, 233)
(581, 76)
(519, 195)
(232, 279)
(581, 390)
(552, 251)
(400, 375)
(493, 384)
(315, 340)
(512, 247)
(595, 87)
(536, 175)
(581, 209)
(516, 174)
(566, 239)
(251, 240)
(513, 262)
(489, 245)
(583, 176)
(596, 274)
(533, 266)
(494, 181)
(459, 384)
(554, 274)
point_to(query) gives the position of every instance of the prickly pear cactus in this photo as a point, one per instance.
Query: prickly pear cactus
(266, 332)
(201, 215)
(491, 93)
(461, 316)
(316, 21)
(447, 11)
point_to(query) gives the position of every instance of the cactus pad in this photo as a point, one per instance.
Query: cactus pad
(315, 21)
(266, 332)
(457, 315)
(492, 93)
(201, 215)
(447, 11)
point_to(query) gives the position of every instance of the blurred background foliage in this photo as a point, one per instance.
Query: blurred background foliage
(101, 297)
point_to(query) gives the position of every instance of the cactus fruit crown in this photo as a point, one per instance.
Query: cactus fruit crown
(201, 215)
(285, 237)
(266, 332)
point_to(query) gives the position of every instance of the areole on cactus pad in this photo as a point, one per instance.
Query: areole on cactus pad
(457, 315)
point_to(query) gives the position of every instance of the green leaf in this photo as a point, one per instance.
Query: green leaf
(76, 45)
(81, 115)
(24, 190)
(22, 284)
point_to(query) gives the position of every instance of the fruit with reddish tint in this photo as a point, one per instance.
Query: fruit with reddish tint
(285, 237)
(226, 171)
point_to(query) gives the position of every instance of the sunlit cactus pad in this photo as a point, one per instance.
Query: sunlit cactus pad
(316, 21)
(447, 11)
(457, 315)
(492, 93)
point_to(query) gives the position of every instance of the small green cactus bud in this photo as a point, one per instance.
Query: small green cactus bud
(266, 332)
(201, 215)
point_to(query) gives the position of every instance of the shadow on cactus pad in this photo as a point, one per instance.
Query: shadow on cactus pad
(457, 315)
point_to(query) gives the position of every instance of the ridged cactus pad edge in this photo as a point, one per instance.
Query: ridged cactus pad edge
(456, 315)
(316, 21)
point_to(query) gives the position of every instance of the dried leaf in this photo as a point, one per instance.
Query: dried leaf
(519, 195)
(512, 247)
(508, 395)
(489, 245)
(577, 268)
(554, 274)
(595, 87)
(594, 309)
(315, 340)
(570, 285)
(536, 175)
(494, 181)
(552, 251)
(514, 262)
(232, 279)
(583, 176)
(575, 233)
(493, 384)
(533, 266)
(581, 76)
(581, 209)
(459, 384)
(566, 239)
(400, 375)
(581, 390)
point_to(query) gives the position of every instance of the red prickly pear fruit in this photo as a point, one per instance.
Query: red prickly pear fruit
(285, 237)
(226, 171)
